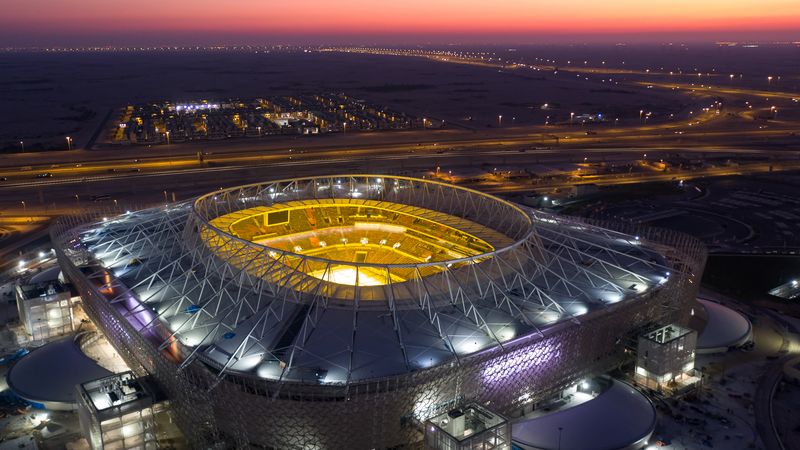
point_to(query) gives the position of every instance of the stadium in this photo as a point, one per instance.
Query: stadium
(343, 311)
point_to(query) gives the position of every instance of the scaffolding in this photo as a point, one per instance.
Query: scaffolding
(171, 254)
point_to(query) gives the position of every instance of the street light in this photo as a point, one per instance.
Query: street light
(24, 208)
(69, 143)
(23, 146)
(500, 121)
(77, 199)
(165, 197)
(559, 437)
(169, 150)
(570, 117)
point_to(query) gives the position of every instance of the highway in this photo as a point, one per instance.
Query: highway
(149, 174)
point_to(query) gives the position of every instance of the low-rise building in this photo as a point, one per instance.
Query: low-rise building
(45, 306)
(665, 357)
(579, 190)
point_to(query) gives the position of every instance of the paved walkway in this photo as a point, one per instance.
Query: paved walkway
(763, 404)
(771, 372)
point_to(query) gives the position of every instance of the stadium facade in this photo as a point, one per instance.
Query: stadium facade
(343, 311)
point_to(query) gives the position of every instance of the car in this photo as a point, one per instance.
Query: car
(135, 169)
(111, 170)
(44, 175)
(4, 179)
(78, 165)
(55, 166)
(135, 160)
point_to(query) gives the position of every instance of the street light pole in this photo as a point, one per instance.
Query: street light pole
(69, 144)
(23, 146)
(77, 199)
(169, 151)
(559, 437)
(500, 121)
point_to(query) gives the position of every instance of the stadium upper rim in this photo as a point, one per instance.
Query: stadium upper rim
(206, 208)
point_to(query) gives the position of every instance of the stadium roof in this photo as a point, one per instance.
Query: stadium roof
(254, 310)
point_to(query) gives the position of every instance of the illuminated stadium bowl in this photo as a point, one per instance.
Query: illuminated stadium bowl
(298, 297)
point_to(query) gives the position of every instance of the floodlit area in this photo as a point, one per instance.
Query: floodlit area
(350, 276)
(287, 286)
(568, 271)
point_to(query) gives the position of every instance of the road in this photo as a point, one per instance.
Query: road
(706, 134)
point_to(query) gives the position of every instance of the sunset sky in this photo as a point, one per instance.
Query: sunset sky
(263, 22)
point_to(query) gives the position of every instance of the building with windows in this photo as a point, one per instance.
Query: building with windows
(665, 356)
(45, 305)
